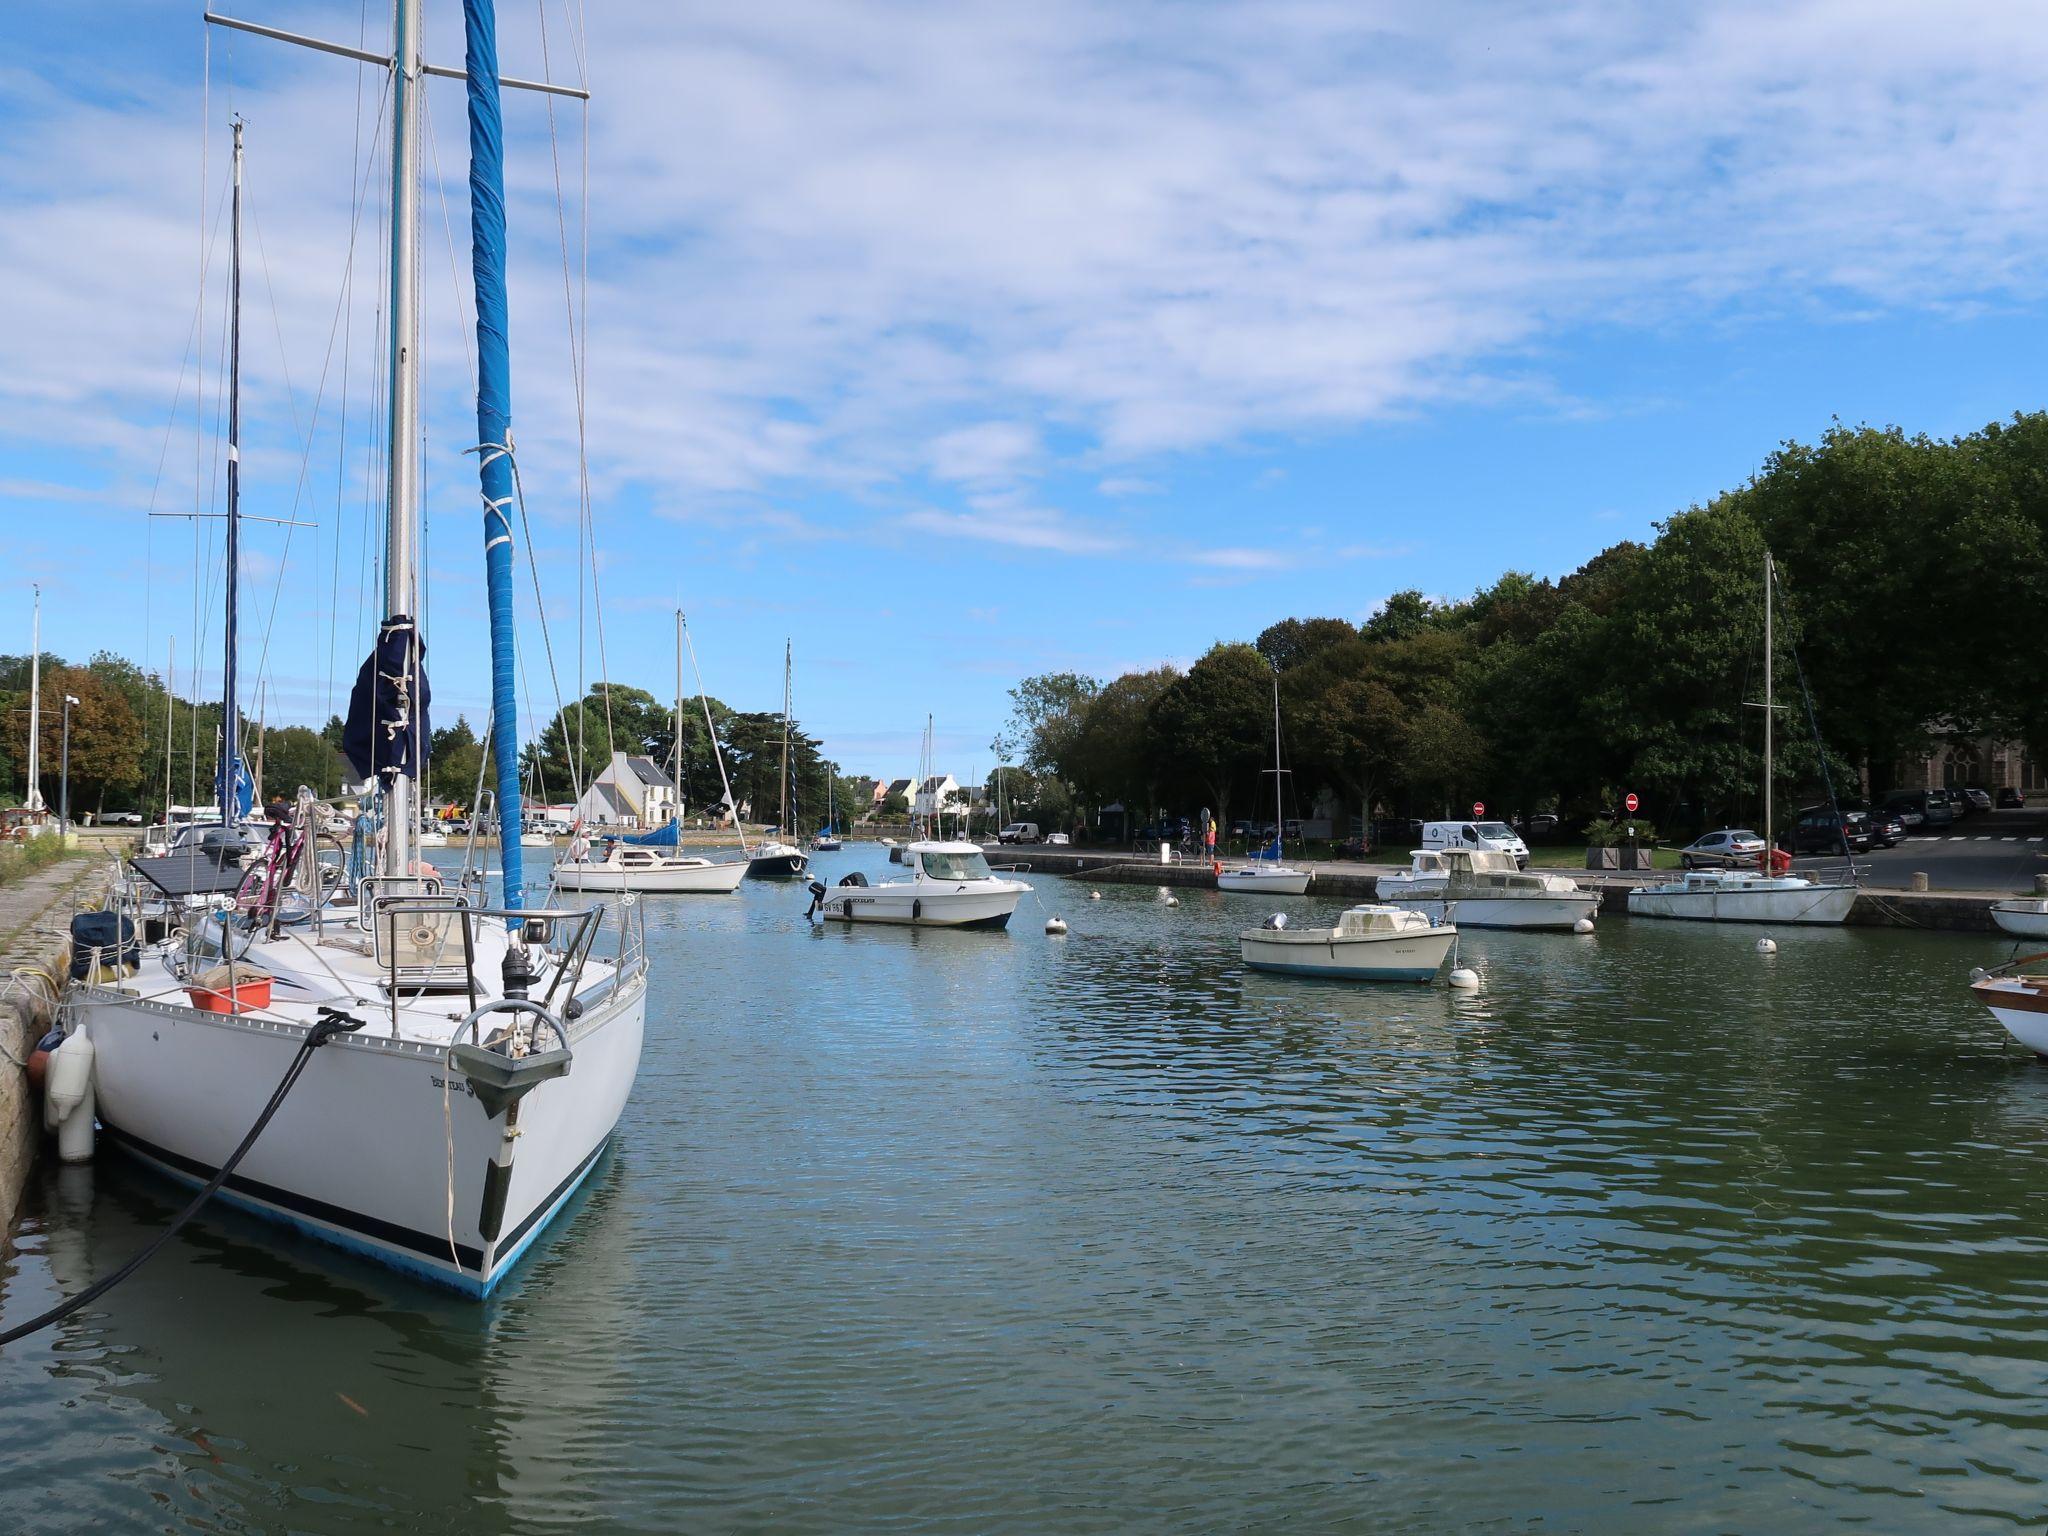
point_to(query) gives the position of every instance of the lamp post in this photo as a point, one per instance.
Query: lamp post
(64, 773)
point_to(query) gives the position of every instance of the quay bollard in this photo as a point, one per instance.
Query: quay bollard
(1919, 879)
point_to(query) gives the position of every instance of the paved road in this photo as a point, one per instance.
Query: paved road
(1992, 851)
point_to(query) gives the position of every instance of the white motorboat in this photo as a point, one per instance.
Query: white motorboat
(2020, 1003)
(1743, 896)
(949, 886)
(1478, 888)
(2023, 919)
(1267, 872)
(623, 867)
(397, 1080)
(431, 836)
(1740, 896)
(1370, 943)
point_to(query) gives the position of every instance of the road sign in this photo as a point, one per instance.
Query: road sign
(1631, 802)
(1478, 807)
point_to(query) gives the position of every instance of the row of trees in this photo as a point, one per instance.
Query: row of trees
(1913, 595)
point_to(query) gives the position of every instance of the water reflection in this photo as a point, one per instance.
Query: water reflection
(970, 1232)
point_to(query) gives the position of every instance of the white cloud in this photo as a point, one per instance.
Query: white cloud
(1018, 528)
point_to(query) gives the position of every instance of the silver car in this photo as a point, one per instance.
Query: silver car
(1726, 849)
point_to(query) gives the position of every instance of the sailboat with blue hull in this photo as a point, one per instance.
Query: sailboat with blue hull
(422, 1041)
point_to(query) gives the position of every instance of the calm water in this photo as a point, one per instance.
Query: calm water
(969, 1232)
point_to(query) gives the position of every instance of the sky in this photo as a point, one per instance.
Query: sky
(958, 342)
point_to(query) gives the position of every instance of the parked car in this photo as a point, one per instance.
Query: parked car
(1978, 799)
(1730, 848)
(1926, 809)
(2010, 799)
(1019, 832)
(1057, 840)
(1821, 829)
(1886, 830)
(1958, 807)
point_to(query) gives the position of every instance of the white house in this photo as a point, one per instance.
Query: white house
(632, 792)
(940, 792)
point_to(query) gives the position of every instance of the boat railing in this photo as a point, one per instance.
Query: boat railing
(413, 958)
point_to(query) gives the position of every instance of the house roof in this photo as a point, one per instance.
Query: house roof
(899, 786)
(649, 772)
(608, 799)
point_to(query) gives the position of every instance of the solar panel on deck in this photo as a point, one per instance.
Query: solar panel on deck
(198, 873)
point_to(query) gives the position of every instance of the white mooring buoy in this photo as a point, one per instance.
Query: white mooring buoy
(1095, 895)
(1464, 979)
(1767, 946)
(1172, 900)
(1055, 925)
(1583, 925)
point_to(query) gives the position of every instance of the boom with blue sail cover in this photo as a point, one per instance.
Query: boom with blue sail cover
(494, 413)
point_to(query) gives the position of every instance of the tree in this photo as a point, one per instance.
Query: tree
(458, 758)
(106, 738)
(296, 754)
(1293, 641)
(1213, 726)
(1349, 726)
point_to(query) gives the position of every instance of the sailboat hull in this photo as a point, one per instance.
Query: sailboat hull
(409, 1183)
(1817, 904)
(778, 866)
(699, 878)
(1265, 882)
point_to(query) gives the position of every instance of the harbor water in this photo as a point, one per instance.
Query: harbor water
(958, 1232)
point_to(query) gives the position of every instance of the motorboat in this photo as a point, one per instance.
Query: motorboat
(1479, 888)
(2023, 919)
(395, 1080)
(1743, 896)
(1371, 942)
(431, 836)
(1267, 871)
(949, 886)
(778, 861)
(623, 867)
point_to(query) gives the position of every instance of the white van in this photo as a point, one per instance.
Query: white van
(1019, 832)
(1494, 836)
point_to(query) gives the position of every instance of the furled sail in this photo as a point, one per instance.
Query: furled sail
(494, 413)
(387, 727)
(668, 836)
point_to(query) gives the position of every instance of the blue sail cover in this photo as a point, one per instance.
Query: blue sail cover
(245, 788)
(670, 836)
(1271, 852)
(387, 728)
(494, 412)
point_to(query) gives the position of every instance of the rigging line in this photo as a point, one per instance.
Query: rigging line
(311, 430)
(576, 765)
(464, 308)
(348, 324)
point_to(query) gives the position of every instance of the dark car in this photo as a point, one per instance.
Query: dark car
(2010, 799)
(1953, 799)
(1886, 830)
(1977, 799)
(1821, 829)
(1922, 808)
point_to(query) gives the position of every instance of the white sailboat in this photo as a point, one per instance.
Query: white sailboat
(415, 1057)
(1259, 874)
(654, 862)
(1742, 896)
(778, 858)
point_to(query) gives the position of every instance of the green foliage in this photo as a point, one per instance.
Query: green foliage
(1606, 833)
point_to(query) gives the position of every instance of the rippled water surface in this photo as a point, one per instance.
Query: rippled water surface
(967, 1232)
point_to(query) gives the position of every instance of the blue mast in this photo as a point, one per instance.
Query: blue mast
(494, 412)
(227, 784)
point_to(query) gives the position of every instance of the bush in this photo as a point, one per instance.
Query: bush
(28, 856)
(1614, 834)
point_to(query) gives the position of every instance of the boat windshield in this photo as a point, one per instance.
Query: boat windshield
(956, 866)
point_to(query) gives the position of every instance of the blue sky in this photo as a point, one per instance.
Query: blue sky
(961, 342)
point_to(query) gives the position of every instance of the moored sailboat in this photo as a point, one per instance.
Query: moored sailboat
(408, 1064)
(1267, 871)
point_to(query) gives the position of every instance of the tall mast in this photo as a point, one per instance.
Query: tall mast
(35, 701)
(170, 717)
(677, 770)
(782, 813)
(1770, 652)
(1279, 806)
(228, 784)
(402, 486)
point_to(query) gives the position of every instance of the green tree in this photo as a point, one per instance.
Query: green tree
(1213, 726)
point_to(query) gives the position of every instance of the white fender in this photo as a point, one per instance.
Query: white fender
(74, 1136)
(70, 1079)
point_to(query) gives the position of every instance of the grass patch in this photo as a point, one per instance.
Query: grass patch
(18, 860)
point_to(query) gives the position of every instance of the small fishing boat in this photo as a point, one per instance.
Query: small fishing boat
(1267, 872)
(2018, 1000)
(1371, 942)
(1478, 888)
(2027, 919)
(949, 886)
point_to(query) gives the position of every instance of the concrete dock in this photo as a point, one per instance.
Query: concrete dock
(35, 955)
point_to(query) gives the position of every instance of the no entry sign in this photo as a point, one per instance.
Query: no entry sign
(1631, 802)
(1478, 807)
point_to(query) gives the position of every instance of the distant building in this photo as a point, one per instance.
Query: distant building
(1982, 762)
(897, 787)
(632, 792)
(937, 793)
